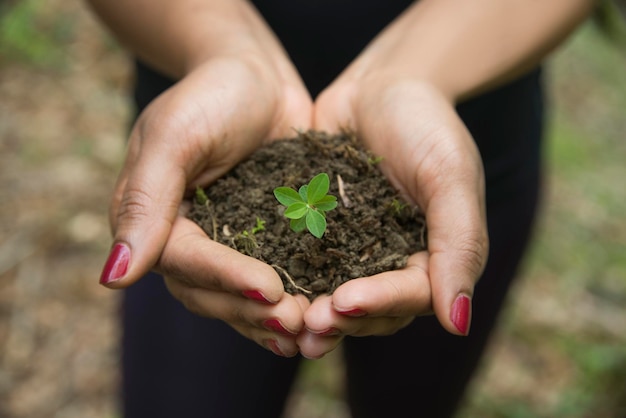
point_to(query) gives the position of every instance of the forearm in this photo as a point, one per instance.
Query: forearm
(176, 36)
(465, 47)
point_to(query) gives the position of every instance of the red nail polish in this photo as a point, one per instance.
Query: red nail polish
(116, 265)
(275, 325)
(460, 313)
(256, 296)
(273, 345)
(355, 313)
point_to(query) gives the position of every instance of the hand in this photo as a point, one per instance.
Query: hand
(429, 155)
(399, 95)
(189, 136)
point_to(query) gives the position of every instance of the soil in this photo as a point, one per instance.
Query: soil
(372, 230)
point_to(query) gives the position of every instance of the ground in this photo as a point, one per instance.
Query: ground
(558, 351)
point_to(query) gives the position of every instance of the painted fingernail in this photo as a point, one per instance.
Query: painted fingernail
(116, 265)
(275, 325)
(460, 313)
(355, 313)
(273, 345)
(256, 296)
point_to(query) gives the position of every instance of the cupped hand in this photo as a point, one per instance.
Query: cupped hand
(367, 306)
(187, 137)
(431, 158)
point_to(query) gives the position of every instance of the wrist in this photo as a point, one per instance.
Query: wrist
(198, 32)
(467, 48)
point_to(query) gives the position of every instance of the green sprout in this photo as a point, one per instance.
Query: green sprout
(260, 226)
(245, 241)
(374, 160)
(307, 207)
(201, 196)
(396, 207)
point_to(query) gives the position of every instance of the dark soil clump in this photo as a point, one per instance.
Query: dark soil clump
(372, 230)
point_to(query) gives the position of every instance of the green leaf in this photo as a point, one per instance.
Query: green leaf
(298, 225)
(316, 223)
(302, 192)
(318, 187)
(296, 210)
(326, 203)
(287, 196)
(260, 226)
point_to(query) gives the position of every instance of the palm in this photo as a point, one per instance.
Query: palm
(431, 158)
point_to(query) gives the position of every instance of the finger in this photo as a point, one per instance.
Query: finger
(303, 302)
(181, 139)
(321, 334)
(284, 318)
(333, 108)
(458, 246)
(322, 320)
(281, 345)
(196, 260)
(457, 231)
(442, 172)
(272, 327)
(147, 203)
(404, 292)
(314, 346)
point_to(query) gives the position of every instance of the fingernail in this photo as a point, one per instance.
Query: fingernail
(355, 313)
(276, 326)
(273, 346)
(256, 296)
(460, 313)
(116, 265)
(326, 333)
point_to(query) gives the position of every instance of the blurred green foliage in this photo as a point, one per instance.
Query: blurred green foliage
(31, 35)
(610, 16)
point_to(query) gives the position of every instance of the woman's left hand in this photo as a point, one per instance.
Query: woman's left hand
(431, 158)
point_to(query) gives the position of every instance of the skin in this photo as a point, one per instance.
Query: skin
(238, 90)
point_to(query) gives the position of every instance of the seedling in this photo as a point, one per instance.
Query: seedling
(307, 207)
(374, 160)
(245, 241)
(201, 196)
(260, 226)
(396, 207)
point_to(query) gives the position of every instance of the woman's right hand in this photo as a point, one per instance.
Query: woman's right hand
(217, 114)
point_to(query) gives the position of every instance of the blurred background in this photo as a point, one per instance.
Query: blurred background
(560, 349)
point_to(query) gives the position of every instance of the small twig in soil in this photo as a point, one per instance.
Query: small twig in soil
(342, 192)
(213, 221)
(293, 283)
(366, 255)
(337, 253)
(202, 199)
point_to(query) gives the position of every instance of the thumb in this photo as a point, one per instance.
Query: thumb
(458, 246)
(333, 108)
(146, 203)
